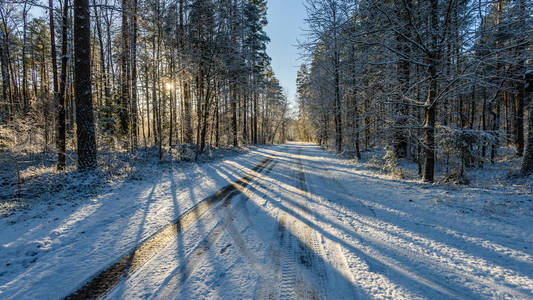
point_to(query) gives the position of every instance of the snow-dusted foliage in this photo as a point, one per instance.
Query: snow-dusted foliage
(462, 147)
(439, 81)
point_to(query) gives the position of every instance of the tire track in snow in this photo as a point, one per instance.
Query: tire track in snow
(269, 288)
(302, 272)
(179, 277)
(229, 214)
(309, 247)
(387, 265)
(287, 288)
(106, 279)
(338, 280)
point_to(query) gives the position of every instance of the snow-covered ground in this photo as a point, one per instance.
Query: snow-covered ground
(312, 225)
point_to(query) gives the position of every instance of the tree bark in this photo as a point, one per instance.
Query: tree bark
(61, 127)
(86, 140)
(429, 129)
(134, 108)
(124, 71)
(53, 52)
(187, 118)
(336, 70)
(60, 139)
(5, 79)
(355, 109)
(401, 113)
(107, 124)
(527, 162)
(518, 124)
(9, 79)
(25, 102)
(234, 115)
(430, 107)
(234, 81)
(254, 119)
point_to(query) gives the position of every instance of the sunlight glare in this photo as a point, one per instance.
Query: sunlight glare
(169, 86)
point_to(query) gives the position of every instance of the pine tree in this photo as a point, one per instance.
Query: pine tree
(85, 129)
(527, 162)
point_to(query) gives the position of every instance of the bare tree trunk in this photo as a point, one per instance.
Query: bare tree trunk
(107, 124)
(199, 99)
(25, 101)
(205, 116)
(518, 126)
(234, 115)
(5, 79)
(217, 123)
(495, 111)
(527, 162)
(245, 95)
(429, 128)
(61, 128)
(155, 54)
(147, 97)
(255, 112)
(82, 81)
(187, 118)
(57, 101)
(518, 121)
(336, 70)
(53, 52)
(401, 144)
(430, 107)
(355, 109)
(10, 76)
(170, 106)
(134, 108)
(234, 82)
(124, 71)
(188, 112)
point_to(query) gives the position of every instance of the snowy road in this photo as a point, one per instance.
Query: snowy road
(261, 242)
(307, 229)
(308, 225)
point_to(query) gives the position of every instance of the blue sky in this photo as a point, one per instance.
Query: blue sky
(285, 26)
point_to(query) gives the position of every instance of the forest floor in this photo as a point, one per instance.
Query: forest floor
(278, 222)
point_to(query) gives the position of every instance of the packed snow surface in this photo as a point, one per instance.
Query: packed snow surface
(310, 225)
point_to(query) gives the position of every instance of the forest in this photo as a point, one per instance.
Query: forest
(266, 149)
(431, 81)
(106, 76)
